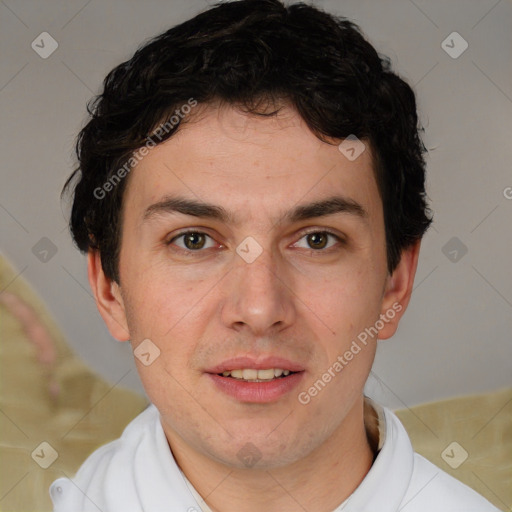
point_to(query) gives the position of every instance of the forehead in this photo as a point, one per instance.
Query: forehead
(250, 164)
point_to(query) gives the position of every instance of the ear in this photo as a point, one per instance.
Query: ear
(108, 298)
(398, 290)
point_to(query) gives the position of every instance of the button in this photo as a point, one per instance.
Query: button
(58, 488)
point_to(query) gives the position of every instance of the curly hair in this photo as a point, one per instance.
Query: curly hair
(252, 54)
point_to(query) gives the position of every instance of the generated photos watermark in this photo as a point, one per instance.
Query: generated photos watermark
(137, 156)
(343, 360)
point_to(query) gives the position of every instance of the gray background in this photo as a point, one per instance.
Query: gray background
(456, 336)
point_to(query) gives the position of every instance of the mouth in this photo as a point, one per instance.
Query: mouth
(254, 375)
(248, 380)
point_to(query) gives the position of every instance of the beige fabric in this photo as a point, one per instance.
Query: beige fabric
(53, 397)
(86, 413)
(482, 426)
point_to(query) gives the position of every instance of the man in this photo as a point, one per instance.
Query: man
(250, 193)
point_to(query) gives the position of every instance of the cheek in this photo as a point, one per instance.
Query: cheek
(347, 302)
(175, 313)
(160, 301)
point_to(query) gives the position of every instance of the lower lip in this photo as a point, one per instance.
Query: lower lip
(257, 392)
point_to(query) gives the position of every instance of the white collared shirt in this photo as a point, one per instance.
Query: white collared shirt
(138, 473)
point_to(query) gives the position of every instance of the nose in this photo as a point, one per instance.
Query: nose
(258, 296)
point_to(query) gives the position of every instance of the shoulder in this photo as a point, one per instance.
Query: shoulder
(431, 488)
(114, 458)
(424, 487)
(139, 428)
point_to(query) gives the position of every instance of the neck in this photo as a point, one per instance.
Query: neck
(321, 481)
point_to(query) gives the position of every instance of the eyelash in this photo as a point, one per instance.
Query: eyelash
(314, 231)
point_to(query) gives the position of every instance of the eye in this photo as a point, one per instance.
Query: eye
(318, 240)
(195, 241)
(192, 241)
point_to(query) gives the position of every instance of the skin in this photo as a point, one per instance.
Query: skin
(294, 301)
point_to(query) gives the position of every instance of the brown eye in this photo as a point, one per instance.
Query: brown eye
(192, 241)
(317, 240)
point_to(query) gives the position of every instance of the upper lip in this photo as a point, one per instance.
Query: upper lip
(256, 363)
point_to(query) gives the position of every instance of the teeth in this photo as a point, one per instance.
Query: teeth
(238, 374)
(264, 374)
(250, 374)
(253, 375)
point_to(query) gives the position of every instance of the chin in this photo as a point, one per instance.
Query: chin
(263, 451)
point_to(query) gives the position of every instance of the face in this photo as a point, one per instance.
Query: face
(259, 279)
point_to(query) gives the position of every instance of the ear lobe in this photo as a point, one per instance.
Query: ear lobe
(108, 298)
(398, 290)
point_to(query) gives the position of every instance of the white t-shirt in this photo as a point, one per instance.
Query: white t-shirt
(138, 473)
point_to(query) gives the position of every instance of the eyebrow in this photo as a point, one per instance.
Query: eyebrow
(329, 206)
